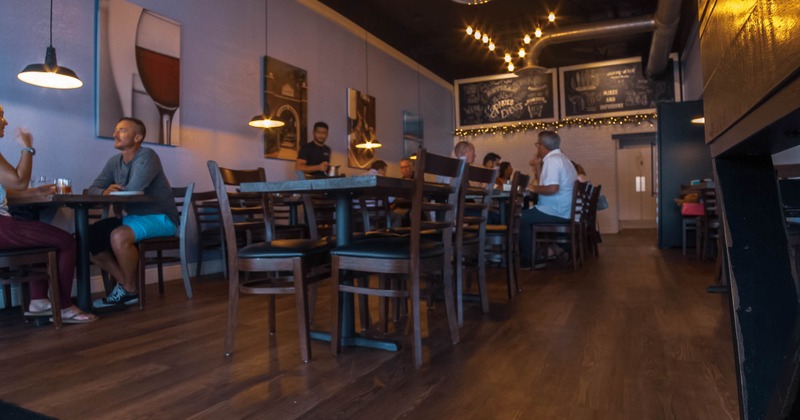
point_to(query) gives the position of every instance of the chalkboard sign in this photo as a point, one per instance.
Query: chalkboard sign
(613, 88)
(504, 99)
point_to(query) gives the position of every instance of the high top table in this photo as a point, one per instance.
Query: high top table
(343, 190)
(81, 205)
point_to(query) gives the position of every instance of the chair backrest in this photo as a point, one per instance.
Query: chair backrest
(373, 211)
(591, 213)
(519, 185)
(226, 211)
(441, 200)
(247, 207)
(475, 210)
(579, 200)
(708, 196)
(320, 213)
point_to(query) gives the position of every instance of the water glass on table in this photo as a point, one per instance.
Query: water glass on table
(63, 186)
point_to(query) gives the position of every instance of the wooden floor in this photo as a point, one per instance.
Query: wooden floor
(632, 335)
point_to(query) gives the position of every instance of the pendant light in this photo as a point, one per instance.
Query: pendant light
(372, 142)
(264, 120)
(50, 74)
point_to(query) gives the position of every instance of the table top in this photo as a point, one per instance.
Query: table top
(367, 184)
(75, 199)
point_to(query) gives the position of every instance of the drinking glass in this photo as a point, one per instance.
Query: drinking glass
(63, 186)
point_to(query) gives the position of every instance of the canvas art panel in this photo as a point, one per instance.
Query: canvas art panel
(285, 98)
(360, 129)
(138, 62)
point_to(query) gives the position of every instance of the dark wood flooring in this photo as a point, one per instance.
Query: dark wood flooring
(632, 335)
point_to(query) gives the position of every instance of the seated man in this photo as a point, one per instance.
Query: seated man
(491, 160)
(555, 192)
(112, 241)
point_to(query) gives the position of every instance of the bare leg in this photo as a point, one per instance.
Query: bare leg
(124, 246)
(107, 262)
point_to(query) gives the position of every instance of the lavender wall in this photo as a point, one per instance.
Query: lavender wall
(222, 46)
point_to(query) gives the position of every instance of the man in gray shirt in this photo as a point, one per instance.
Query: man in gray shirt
(112, 242)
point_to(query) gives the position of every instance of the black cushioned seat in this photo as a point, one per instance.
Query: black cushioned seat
(284, 248)
(388, 248)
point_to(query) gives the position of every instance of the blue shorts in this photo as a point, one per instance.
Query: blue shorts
(150, 226)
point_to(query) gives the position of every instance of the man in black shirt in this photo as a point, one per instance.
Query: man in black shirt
(314, 157)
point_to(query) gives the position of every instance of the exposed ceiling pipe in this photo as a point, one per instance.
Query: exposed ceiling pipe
(582, 32)
(664, 25)
(668, 13)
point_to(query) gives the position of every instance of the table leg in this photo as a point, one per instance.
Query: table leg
(293, 214)
(82, 259)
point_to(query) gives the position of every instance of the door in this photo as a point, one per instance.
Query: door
(636, 184)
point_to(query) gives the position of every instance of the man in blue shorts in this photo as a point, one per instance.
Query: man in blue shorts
(112, 241)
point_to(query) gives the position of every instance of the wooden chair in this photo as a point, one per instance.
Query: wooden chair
(411, 255)
(591, 235)
(306, 259)
(17, 266)
(183, 201)
(708, 225)
(470, 244)
(504, 239)
(564, 233)
(207, 223)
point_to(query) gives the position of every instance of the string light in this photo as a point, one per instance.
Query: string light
(469, 30)
(477, 34)
(510, 67)
(491, 46)
(485, 38)
(507, 58)
(527, 39)
(551, 17)
(637, 120)
(521, 53)
(538, 32)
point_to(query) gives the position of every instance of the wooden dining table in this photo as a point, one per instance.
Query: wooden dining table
(81, 205)
(343, 190)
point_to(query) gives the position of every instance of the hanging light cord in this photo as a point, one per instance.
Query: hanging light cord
(51, 23)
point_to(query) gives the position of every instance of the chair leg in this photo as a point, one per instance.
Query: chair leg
(363, 305)
(416, 344)
(459, 280)
(301, 302)
(336, 306)
(482, 279)
(449, 299)
(55, 292)
(272, 314)
(312, 301)
(383, 304)
(142, 278)
(160, 272)
(233, 303)
(108, 282)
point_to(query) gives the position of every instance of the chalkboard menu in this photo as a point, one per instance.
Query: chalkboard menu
(612, 88)
(504, 99)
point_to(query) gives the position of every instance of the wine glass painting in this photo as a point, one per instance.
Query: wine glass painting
(138, 70)
(360, 129)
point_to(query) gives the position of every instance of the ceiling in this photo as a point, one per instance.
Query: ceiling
(432, 32)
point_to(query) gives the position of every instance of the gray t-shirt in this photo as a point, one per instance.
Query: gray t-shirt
(142, 173)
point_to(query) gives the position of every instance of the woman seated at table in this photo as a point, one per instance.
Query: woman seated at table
(503, 175)
(16, 234)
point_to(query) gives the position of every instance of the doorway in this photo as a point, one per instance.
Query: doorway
(636, 181)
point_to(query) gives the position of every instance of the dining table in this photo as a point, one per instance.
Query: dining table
(80, 203)
(343, 190)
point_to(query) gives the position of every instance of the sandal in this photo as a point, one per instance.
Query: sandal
(73, 315)
(39, 307)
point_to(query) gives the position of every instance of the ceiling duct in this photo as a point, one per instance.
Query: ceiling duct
(664, 24)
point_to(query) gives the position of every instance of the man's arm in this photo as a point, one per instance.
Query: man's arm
(302, 165)
(545, 189)
(104, 182)
(144, 171)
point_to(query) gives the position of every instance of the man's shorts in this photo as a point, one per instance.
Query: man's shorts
(143, 226)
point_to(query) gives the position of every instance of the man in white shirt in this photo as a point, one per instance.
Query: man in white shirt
(555, 192)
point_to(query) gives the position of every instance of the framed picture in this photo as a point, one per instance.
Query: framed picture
(360, 129)
(286, 93)
(614, 88)
(506, 99)
(138, 70)
(413, 133)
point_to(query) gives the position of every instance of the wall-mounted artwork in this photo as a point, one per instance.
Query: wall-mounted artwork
(413, 133)
(360, 129)
(138, 62)
(506, 99)
(286, 94)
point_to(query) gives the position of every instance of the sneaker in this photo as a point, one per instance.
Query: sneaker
(118, 296)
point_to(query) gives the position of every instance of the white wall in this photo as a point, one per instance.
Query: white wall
(593, 148)
(222, 47)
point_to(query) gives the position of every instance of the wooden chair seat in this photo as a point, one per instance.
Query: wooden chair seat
(393, 248)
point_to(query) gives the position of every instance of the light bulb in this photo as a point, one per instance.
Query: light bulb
(538, 33)
(469, 30)
(551, 17)
(491, 46)
(507, 58)
(510, 66)
(477, 34)
(527, 39)
(521, 53)
(485, 38)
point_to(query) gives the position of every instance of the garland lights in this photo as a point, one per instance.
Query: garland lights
(637, 119)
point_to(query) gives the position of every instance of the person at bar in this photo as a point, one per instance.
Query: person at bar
(16, 234)
(314, 157)
(491, 160)
(377, 167)
(555, 192)
(503, 175)
(112, 241)
(406, 168)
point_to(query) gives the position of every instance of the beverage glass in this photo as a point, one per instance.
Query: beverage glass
(63, 186)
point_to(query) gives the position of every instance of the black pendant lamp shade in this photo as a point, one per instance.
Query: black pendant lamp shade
(50, 74)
